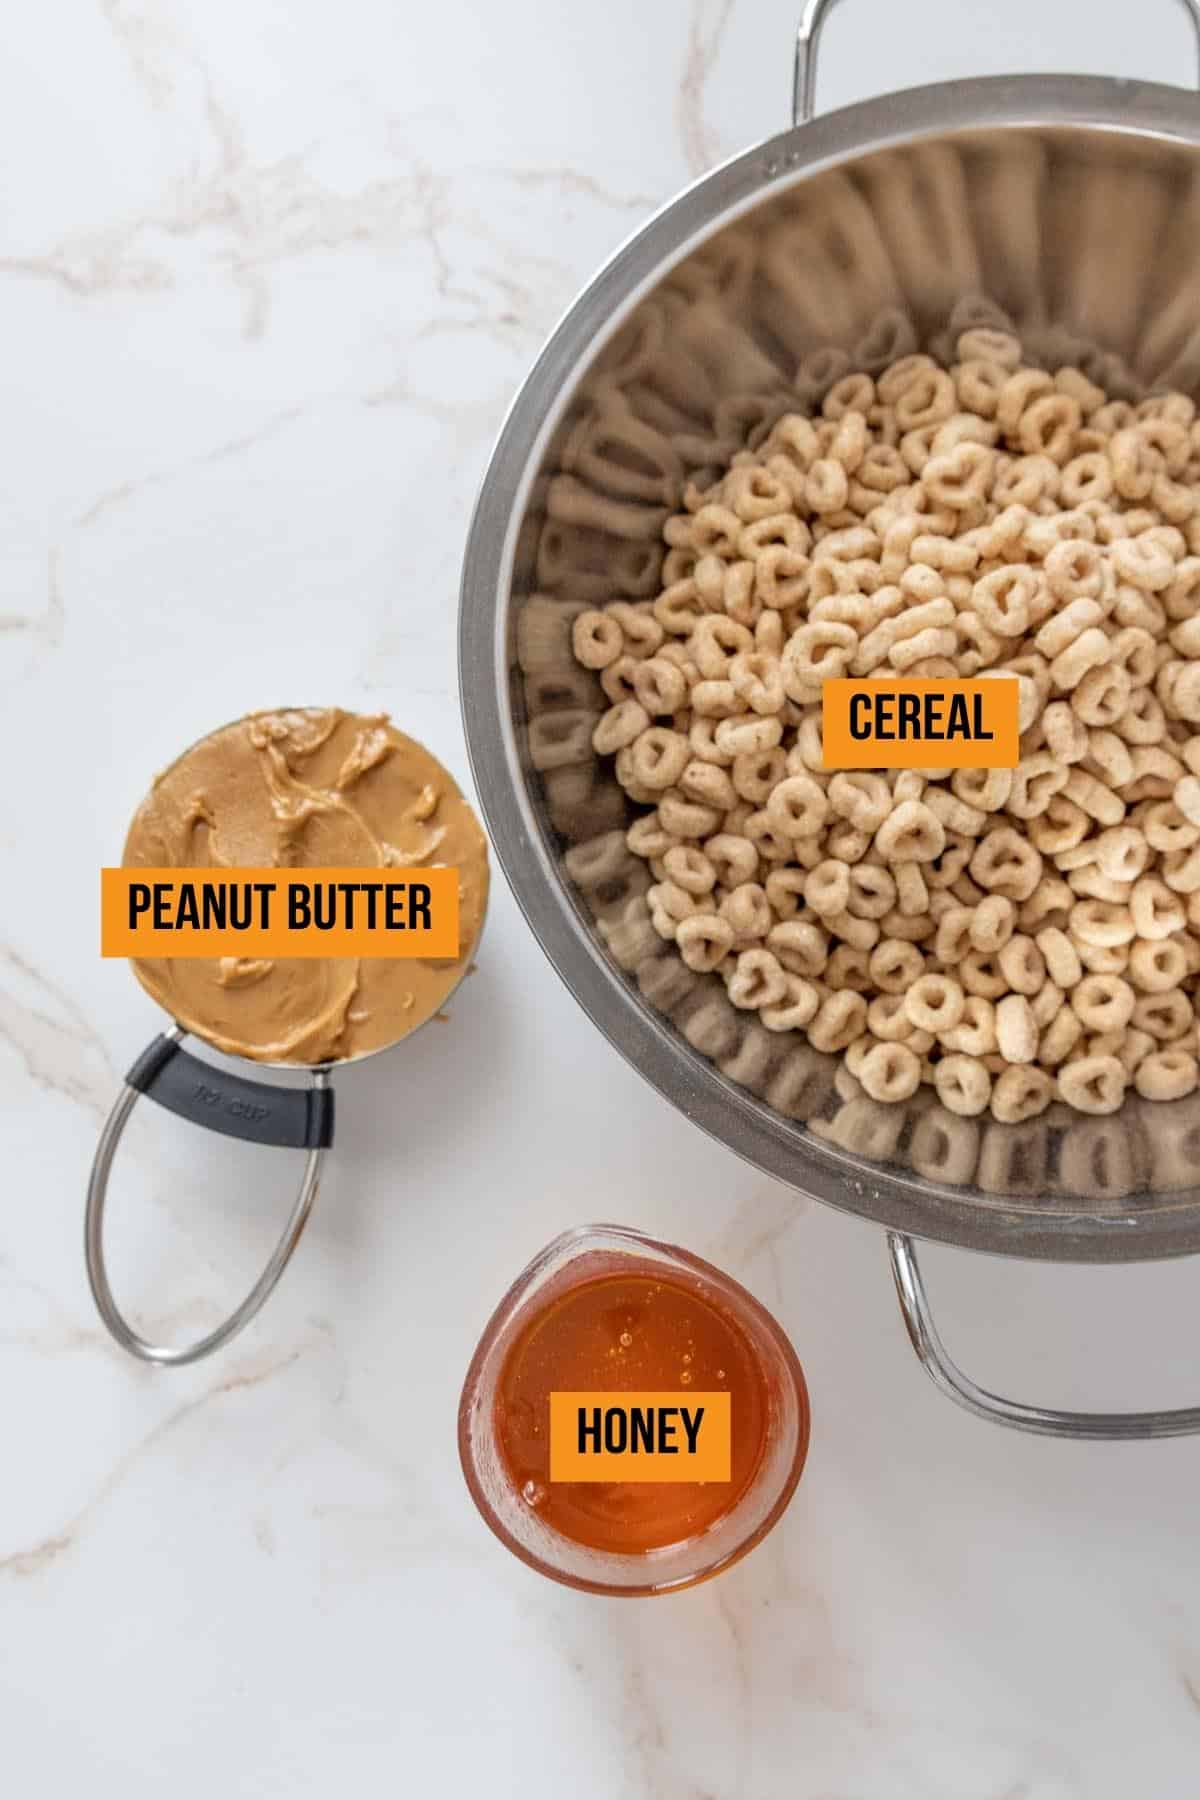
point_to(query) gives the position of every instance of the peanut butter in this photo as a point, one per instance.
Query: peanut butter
(309, 788)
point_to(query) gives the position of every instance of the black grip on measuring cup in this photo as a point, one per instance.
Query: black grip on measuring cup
(292, 1118)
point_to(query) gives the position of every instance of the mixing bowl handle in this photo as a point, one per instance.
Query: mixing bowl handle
(1045, 1421)
(297, 1118)
(804, 78)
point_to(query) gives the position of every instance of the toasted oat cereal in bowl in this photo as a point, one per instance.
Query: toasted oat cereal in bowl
(1006, 937)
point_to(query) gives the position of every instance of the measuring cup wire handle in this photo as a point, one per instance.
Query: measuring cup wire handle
(224, 1100)
(949, 1379)
(141, 1080)
(808, 37)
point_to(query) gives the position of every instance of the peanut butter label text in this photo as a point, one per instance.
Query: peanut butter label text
(921, 724)
(640, 1437)
(279, 912)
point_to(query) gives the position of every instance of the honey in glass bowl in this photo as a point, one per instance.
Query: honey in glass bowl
(658, 1364)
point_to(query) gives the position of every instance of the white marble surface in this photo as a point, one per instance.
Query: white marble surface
(270, 271)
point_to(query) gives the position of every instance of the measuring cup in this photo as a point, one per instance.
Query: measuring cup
(238, 1106)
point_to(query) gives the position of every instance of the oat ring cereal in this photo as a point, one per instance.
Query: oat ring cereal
(1006, 937)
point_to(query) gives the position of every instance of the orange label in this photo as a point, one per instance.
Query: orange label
(279, 912)
(920, 724)
(639, 1437)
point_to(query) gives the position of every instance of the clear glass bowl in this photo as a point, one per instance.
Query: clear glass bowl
(614, 1249)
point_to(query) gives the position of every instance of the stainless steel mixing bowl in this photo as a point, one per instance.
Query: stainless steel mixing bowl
(1068, 206)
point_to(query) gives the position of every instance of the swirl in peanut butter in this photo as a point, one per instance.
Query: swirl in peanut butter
(309, 788)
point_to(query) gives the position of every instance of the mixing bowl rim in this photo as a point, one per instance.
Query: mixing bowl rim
(905, 1203)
